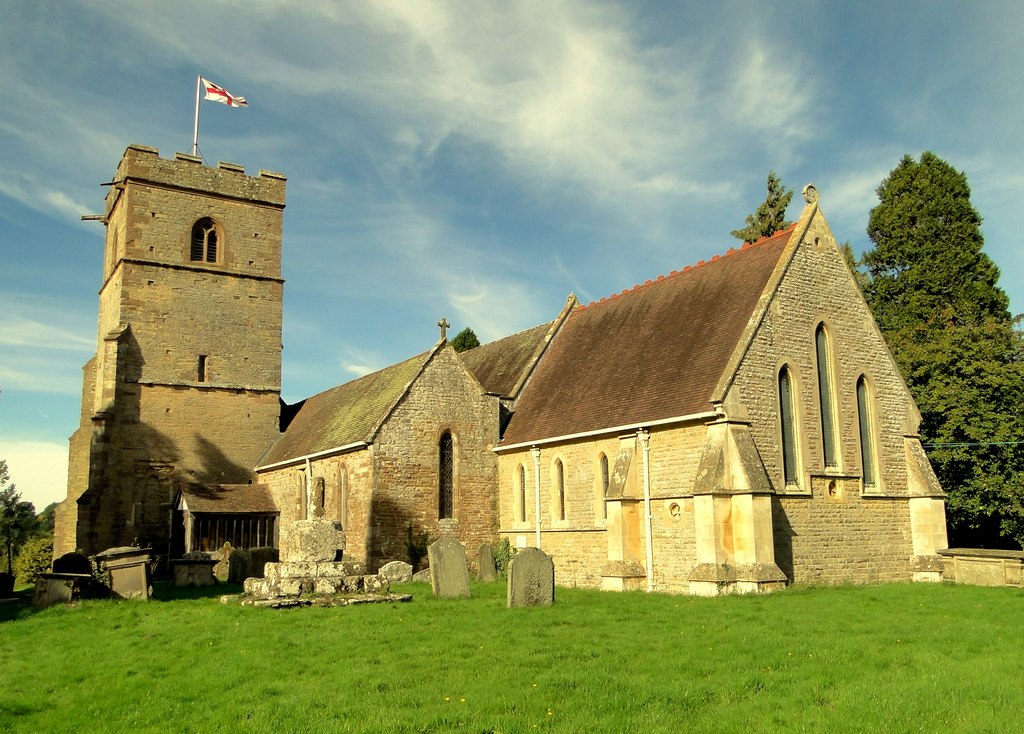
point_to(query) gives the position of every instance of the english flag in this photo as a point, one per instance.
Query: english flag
(220, 94)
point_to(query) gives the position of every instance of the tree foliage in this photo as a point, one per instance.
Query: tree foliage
(935, 296)
(465, 339)
(34, 558)
(770, 217)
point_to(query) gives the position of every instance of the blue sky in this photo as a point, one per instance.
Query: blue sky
(472, 160)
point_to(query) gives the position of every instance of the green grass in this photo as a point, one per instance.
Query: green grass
(895, 658)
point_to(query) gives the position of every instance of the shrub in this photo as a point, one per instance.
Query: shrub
(504, 552)
(33, 559)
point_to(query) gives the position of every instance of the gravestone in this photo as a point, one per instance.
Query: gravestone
(531, 579)
(259, 558)
(240, 566)
(485, 570)
(223, 558)
(423, 576)
(449, 574)
(397, 572)
(72, 563)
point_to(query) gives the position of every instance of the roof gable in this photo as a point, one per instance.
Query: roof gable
(652, 353)
(347, 414)
(228, 499)
(503, 366)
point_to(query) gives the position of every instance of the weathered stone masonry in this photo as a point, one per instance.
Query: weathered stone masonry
(185, 383)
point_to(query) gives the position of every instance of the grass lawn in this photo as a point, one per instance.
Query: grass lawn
(895, 658)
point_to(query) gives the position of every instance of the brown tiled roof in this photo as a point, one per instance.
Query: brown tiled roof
(228, 498)
(499, 365)
(345, 414)
(651, 353)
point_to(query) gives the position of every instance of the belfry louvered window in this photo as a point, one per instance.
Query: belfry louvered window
(446, 476)
(825, 397)
(787, 417)
(204, 241)
(867, 434)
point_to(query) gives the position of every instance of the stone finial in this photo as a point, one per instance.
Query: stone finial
(810, 194)
(443, 323)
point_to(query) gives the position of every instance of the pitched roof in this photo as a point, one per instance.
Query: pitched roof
(499, 365)
(228, 498)
(345, 414)
(651, 353)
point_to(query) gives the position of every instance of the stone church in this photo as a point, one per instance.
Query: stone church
(734, 426)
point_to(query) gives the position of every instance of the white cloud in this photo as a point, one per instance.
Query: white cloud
(19, 331)
(39, 470)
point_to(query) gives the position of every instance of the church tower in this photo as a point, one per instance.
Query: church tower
(185, 384)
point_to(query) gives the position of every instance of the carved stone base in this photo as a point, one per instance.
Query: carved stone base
(623, 576)
(716, 579)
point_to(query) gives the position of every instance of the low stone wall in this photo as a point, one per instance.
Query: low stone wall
(983, 567)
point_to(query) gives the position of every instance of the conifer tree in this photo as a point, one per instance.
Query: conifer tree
(770, 217)
(465, 339)
(935, 296)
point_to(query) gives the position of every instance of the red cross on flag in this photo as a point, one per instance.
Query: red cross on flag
(220, 94)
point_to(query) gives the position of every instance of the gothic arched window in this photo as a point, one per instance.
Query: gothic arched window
(522, 493)
(560, 488)
(787, 419)
(446, 476)
(605, 480)
(865, 421)
(826, 401)
(204, 241)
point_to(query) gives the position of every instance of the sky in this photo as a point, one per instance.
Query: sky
(472, 160)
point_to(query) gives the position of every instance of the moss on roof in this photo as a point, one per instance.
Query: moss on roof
(345, 414)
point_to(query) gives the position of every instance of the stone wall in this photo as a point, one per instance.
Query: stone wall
(829, 529)
(818, 288)
(580, 545)
(152, 418)
(864, 536)
(406, 462)
(394, 482)
(983, 567)
(348, 482)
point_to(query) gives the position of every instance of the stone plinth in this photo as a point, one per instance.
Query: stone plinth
(57, 588)
(194, 572)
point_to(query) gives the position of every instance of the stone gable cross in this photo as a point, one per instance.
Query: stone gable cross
(443, 323)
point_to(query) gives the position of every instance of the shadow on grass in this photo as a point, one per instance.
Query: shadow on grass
(17, 606)
(167, 591)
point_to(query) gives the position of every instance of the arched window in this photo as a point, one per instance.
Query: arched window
(825, 397)
(446, 476)
(560, 489)
(204, 241)
(787, 418)
(522, 493)
(865, 423)
(604, 486)
(341, 505)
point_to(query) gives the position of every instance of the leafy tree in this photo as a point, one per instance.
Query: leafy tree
(33, 559)
(770, 217)
(464, 340)
(854, 265)
(17, 518)
(934, 294)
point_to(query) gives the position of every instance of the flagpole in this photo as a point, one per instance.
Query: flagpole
(195, 128)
